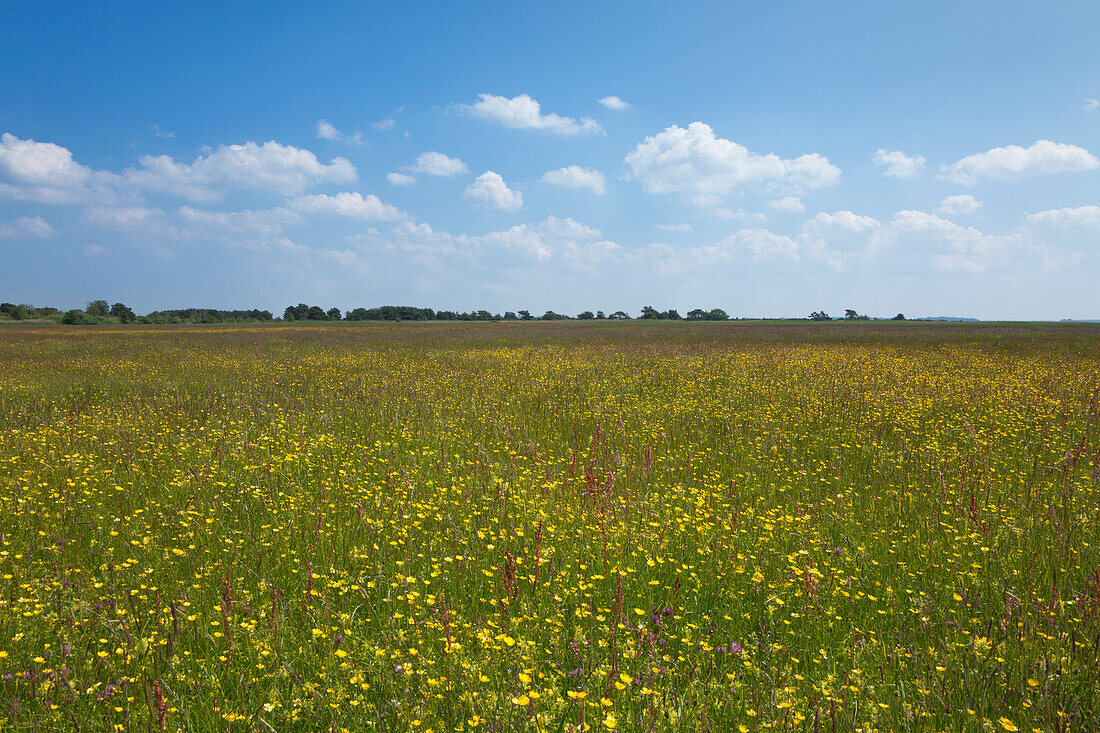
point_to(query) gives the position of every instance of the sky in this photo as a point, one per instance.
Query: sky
(771, 159)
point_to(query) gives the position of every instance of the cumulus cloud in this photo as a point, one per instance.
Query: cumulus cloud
(524, 113)
(46, 173)
(898, 164)
(788, 205)
(400, 179)
(490, 190)
(433, 163)
(1091, 104)
(272, 166)
(1080, 216)
(616, 103)
(695, 161)
(961, 204)
(1013, 162)
(350, 204)
(576, 177)
(26, 227)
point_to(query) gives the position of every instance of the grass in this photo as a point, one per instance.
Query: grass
(550, 527)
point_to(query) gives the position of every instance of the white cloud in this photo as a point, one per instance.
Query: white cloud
(385, 125)
(962, 204)
(524, 113)
(400, 179)
(119, 217)
(788, 205)
(248, 222)
(327, 131)
(95, 250)
(433, 163)
(46, 173)
(26, 227)
(1091, 104)
(1013, 162)
(272, 166)
(845, 220)
(898, 164)
(695, 161)
(615, 103)
(576, 177)
(685, 227)
(490, 190)
(568, 228)
(934, 231)
(351, 204)
(1080, 216)
(162, 133)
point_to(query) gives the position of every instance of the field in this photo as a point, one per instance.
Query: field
(550, 527)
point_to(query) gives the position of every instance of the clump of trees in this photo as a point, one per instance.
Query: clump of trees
(24, 312)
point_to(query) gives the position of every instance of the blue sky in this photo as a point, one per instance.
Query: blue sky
(923, 157)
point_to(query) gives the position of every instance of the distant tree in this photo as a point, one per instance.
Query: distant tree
(649, 313)
(97, 308)
(696, 314)
(851, 315)
(316, 313)
(619, 316)
(333, 314)
(77, 317)
(898, 317)
(717, 314)
(509, 316)
(585, 316)
(526, 316)
(820, 316)
(552, 316)
(600, 316)
(671, 315)
(123, 313)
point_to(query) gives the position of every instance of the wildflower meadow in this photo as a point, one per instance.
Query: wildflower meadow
(550, 527)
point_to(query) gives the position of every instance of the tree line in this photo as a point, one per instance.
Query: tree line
(99, 312)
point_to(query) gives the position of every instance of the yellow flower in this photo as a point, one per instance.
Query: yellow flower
(1007, 724)
(521, 700)
(610, 722)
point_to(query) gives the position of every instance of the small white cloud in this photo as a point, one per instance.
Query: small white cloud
(1080, 216)
(1091, 104)
(385, 125)
(327, 131)
(434, 163)
(788, 205)
(576, 177)
(94, 250)
(490, 190)
(350, 203)
(400, 179)
(843, 220)
(961, 204)
(898, 164)
(615, 103)
(162, 133)
(694, 161)
(524, 113)
(1013, 162)
(685, 227)
(567, 228)
(26, 227)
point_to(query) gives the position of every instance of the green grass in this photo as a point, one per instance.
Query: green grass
(546, 526)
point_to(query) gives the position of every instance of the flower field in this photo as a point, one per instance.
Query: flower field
(550, 527)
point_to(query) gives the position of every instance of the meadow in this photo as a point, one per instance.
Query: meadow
(550, 527)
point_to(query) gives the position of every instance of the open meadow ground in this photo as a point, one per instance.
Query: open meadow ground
(550, 527)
